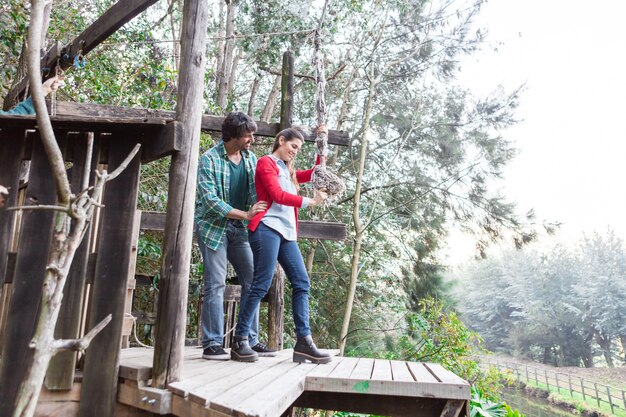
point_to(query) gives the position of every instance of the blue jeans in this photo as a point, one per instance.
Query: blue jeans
(235, 249)
(268, 246)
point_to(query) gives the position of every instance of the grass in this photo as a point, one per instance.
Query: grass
(577, 400)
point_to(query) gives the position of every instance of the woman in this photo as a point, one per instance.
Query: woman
(273, 234)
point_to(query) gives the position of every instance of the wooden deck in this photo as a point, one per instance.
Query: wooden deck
(270, 386)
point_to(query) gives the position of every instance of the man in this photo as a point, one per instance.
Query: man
(27, 106)
(225, 201)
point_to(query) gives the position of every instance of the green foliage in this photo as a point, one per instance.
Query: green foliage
(484, 406)
(561, 306)
(436, 334)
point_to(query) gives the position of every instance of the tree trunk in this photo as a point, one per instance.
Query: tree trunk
(176, 34)
(221, 37)
(622, 340)
(270, 104)
(253, 91)
(587, 355)
(227, 62)
(233, 72)
(359, 228)
(310, 257)
(605, 344)
(174, 282)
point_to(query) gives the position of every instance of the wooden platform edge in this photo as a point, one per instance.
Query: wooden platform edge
(402, 388)
(155, 400)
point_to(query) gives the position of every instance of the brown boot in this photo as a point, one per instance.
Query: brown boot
(242, 352)
(305, 350)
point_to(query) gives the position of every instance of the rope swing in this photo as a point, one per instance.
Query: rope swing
(322, 178)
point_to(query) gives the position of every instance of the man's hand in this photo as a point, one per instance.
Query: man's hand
(257, 208)
(52, 84)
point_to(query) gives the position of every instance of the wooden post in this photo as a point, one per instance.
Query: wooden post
(12, 142)
(286, 100)
(277, 290)
(545, 372)
(276, 306)
(608, 393)
(569, 381)
(582, 387)
(556, 377)
(60, 375)
(115, 239)
(595, 386)
(35, 235)
(174, 282)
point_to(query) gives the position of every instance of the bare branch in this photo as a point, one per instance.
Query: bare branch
(123, 165)
(43, 120)
(41, 207)
(82, 343)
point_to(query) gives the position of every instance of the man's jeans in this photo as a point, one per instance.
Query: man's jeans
(236, 249)
(268, 246)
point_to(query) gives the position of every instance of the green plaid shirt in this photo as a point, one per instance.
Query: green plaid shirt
(212, 199)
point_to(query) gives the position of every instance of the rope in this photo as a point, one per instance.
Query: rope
(134, 333)
(322, 178)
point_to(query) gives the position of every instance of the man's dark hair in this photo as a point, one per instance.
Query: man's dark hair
(237, 124)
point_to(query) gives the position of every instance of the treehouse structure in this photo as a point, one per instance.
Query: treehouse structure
(109, 379)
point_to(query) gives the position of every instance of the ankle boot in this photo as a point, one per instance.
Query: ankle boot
(241, 350)
(305, 350)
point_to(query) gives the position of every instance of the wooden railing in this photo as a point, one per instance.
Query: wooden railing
(562, 381)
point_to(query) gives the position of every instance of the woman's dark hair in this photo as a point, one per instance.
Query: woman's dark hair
(288, 135)
(236, 125)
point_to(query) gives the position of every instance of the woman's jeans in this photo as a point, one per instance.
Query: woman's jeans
(235, 249)
(268, 246)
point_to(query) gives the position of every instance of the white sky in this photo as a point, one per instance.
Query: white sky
(572, 140)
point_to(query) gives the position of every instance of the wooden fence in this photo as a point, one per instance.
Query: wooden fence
(561, 381)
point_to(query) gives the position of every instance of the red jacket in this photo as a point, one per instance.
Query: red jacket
(268, 188)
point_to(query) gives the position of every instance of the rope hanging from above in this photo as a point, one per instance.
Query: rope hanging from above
(322, 178)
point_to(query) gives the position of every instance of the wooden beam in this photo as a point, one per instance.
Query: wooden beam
(453, 408)
(210, 123)
(154, 400)
(397, 406)
(84, 123)
(174, 281)
(307, 229)
(167, 142)
(114, 18)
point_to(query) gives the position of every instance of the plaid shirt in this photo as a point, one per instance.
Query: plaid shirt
(212, 199)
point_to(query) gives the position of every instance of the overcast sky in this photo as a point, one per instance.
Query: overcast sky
(572, 56)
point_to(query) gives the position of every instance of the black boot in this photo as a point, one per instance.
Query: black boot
(241, 350)
(305, 350)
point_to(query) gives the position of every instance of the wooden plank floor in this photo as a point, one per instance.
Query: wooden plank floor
(268, 387)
